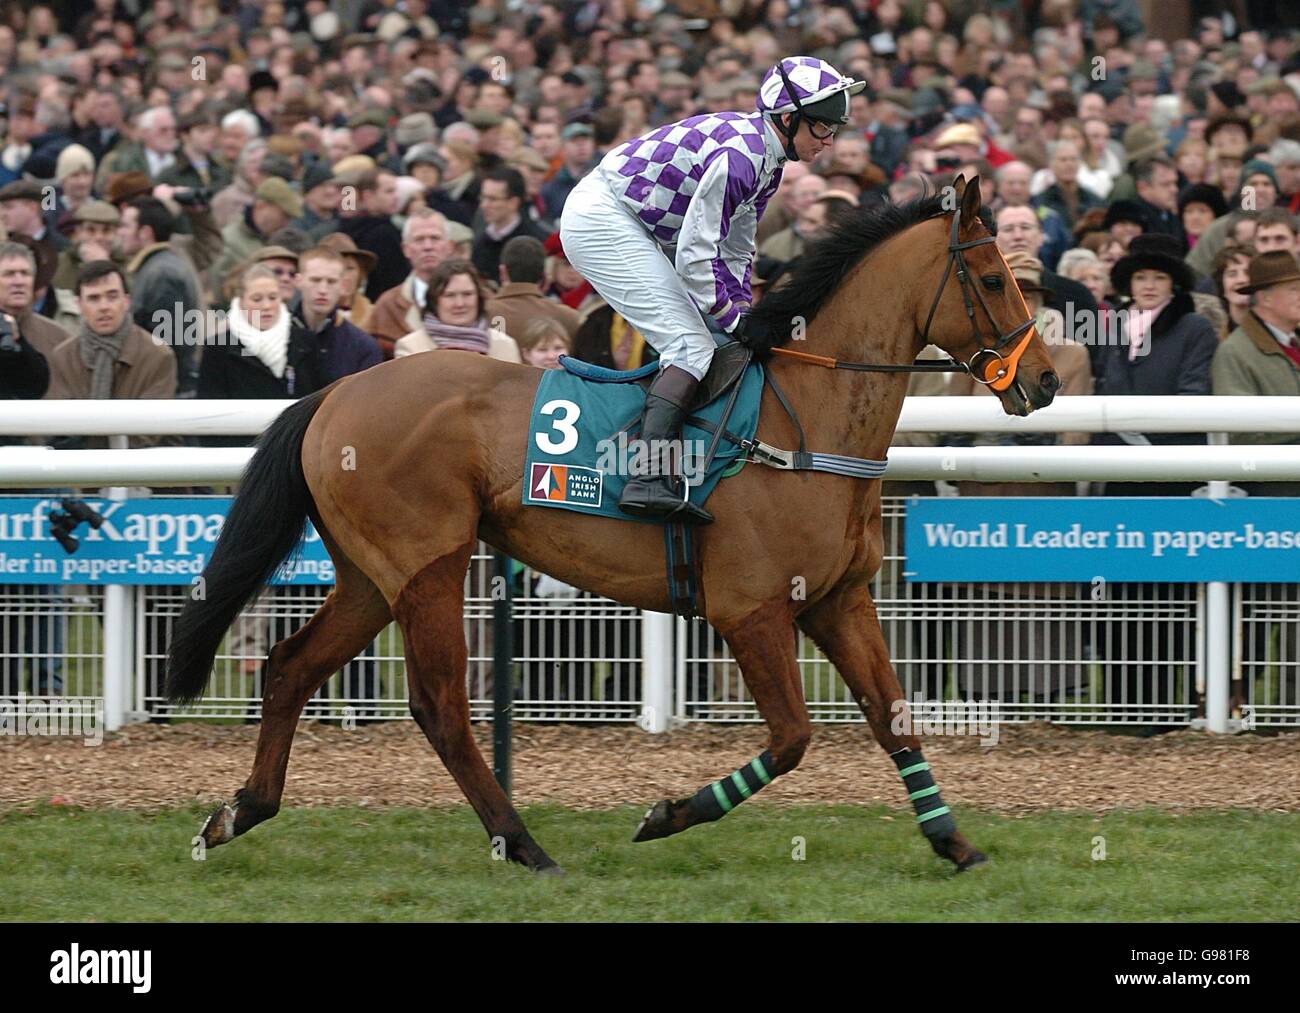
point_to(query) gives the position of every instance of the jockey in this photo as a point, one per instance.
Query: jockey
(664, 227)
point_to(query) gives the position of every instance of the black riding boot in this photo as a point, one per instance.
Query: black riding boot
(652, 494)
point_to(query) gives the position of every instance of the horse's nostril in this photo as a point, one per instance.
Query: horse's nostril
(1050, 382)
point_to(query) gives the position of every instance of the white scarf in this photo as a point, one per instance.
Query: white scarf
(271, 346)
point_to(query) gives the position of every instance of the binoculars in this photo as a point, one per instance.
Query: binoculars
(64, 522)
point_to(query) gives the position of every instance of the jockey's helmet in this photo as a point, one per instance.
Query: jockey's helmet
(811, 89)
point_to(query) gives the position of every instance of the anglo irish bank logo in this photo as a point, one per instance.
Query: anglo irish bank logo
(563, 483)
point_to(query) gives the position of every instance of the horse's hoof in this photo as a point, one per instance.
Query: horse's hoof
(974, 860)
(219, 827)
(657, 823)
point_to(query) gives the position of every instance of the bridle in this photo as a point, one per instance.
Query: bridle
(988, 365)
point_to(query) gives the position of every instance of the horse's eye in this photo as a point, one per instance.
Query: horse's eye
(992, 282)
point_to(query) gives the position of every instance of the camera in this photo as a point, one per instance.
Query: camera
(193, 196)
(8, 339)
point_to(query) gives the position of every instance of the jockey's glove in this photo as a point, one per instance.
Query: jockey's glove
(756, 333)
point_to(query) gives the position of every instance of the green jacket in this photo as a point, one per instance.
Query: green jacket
(128, 156)
(1251, 362)
(183, 173)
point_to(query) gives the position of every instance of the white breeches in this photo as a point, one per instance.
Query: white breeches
(609, 246)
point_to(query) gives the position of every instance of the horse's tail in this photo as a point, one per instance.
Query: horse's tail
(264, 525)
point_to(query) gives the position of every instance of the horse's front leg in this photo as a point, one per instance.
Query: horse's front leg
(844, 625)
(764, 646)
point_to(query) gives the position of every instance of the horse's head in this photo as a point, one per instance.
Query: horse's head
(978, 315)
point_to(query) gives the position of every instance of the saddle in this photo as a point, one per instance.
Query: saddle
(729, 361)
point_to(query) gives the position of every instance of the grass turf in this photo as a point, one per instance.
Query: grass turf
(352, 864)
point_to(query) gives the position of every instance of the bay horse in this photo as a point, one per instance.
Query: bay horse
(404, 467)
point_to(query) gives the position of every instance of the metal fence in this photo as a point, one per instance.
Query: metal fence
(1123, 654)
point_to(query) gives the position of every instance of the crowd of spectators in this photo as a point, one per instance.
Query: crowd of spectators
(281, 193)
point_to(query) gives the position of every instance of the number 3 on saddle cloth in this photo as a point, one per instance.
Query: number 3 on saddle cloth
(582, 446)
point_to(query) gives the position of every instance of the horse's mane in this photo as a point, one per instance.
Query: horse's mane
(825, 262)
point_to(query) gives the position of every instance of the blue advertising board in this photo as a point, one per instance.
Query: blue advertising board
(159, 540)
(1139, 539)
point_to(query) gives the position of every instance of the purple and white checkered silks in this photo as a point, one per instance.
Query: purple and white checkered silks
(813, 80)
(733, 160)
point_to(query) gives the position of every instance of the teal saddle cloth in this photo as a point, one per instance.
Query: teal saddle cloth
(583, 426)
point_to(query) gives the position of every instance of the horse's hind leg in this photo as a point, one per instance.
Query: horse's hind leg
(845, 626)
(764, 647)
(350, 618)
(429, 610)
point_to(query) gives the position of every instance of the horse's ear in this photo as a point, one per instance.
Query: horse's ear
(959, 187)
(971, 201)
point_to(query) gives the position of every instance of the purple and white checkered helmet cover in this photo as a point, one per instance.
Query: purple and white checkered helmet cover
(813, 80)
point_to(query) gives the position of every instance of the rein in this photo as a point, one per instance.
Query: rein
(987, 366)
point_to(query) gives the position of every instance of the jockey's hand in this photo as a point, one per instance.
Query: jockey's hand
(754, 333)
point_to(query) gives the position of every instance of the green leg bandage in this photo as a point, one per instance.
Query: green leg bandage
(933, 816)
(715, 800)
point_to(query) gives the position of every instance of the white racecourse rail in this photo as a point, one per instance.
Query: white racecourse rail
(686, 672)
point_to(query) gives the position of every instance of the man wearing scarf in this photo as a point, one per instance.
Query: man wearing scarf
(110, 357)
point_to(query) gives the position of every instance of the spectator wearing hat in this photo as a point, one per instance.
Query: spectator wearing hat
(1142, 142)
(578, 149)
(321, 192)
(280, 260)
(154, 152)
(965, 143)
(397, 311)
(1198, 206)
(166, 296)
(1261, 357)
(414, 128)
(93, 229)
(1067, 197)
(1257, 192)
(533, 167)
(20, 213)
(368, 219)
(1166, 347)
(357, 265)
(501, 200)
(370, 137)
(196, 168)
(274, 206)
(424, 163)
(520, 299)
